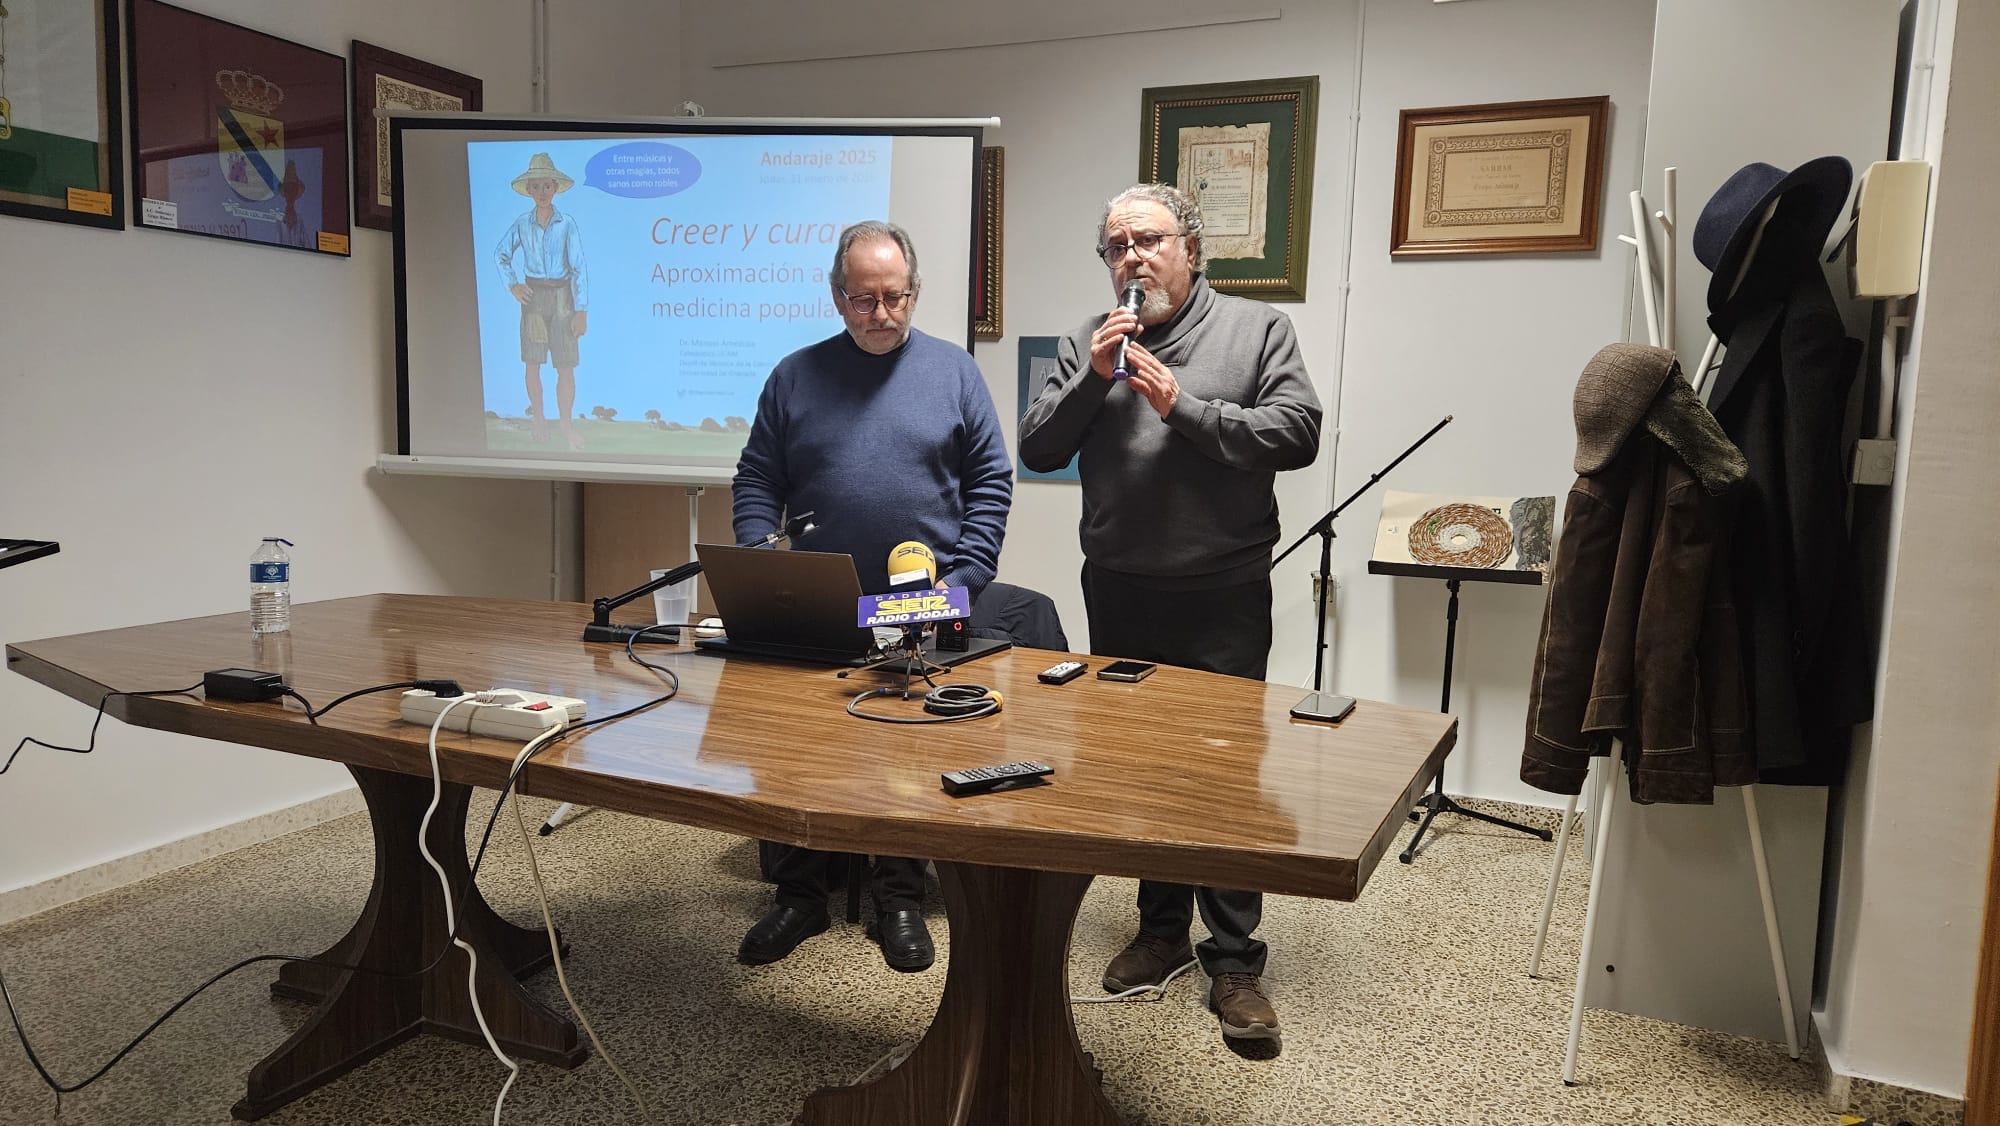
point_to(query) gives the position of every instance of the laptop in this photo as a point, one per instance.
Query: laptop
(798, 605)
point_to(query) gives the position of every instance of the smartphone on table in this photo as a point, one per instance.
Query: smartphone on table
(1323, 705)
(1126, 670)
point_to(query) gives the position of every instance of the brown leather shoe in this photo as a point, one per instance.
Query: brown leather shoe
(1146, 960)
(1246, 1014)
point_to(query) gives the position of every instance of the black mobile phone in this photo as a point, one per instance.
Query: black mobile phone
(1323, 705)
(1125, 670)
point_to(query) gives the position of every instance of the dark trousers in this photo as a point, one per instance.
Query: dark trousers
(1227, 631)
(896, 883)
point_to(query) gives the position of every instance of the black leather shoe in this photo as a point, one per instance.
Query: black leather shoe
(906, 941)
(778, 933)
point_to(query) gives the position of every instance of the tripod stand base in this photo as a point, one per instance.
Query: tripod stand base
(1436, 802)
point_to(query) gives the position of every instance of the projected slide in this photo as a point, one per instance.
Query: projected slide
(632, 295)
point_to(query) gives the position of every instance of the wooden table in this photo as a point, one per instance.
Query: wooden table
(1186, 776)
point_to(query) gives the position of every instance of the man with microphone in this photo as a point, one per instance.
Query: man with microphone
(887, 435)
(1182, 405)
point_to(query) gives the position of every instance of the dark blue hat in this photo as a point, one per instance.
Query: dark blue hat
(1816, 191)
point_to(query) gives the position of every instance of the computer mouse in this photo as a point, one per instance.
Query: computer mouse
(708, 627)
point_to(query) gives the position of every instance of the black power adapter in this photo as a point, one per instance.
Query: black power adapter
(242, 684)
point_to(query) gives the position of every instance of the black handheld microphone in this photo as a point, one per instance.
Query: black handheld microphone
(1132, 298)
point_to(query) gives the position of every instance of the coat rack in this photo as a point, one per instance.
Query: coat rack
(1603, 777)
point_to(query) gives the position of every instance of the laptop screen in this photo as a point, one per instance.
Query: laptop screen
(800, 600)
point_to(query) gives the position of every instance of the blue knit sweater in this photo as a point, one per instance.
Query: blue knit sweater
(881, 449)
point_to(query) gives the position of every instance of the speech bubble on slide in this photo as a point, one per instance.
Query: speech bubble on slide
(642, 170)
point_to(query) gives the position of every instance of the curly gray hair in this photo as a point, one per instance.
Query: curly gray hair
(1186, 213)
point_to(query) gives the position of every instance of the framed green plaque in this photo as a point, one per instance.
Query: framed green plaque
(1244, 150)
(60, 148)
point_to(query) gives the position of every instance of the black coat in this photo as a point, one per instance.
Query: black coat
(1781, 397)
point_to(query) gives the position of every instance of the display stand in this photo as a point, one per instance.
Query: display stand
(1437, 801)
(1603, 778)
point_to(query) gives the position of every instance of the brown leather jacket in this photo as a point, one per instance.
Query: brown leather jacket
(1639, 637)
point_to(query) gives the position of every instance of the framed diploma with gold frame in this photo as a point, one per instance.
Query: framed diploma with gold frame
(1506, 178)
(1244, 150)
(986, 271)
(60, 141)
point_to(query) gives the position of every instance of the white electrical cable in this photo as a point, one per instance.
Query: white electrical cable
(1138, 992)
(548, 921)
(450, 916)
(887, 1062)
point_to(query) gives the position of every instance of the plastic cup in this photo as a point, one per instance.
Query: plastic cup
(672, 605)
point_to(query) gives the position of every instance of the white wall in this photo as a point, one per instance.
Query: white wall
(1495, 341)
(1902, 960)
(1498, 341)
(168, 400)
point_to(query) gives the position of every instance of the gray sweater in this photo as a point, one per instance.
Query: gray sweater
(1184, 502)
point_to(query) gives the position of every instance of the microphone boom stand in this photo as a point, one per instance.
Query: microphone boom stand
(1323, 528)
(602, 628)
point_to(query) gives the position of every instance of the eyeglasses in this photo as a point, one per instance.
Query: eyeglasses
(864, 303)
(1145, 246)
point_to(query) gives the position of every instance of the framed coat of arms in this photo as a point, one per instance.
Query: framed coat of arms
(236, 134)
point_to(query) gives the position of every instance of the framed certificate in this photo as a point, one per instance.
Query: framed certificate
(386, 83)
(59, 121)
(1244, 150)
(1507, 178)
(236, 134)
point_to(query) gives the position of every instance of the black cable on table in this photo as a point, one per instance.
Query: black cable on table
(949, 703)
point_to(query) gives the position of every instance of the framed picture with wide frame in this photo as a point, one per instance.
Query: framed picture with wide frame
(1244, 150)
(236, 134)
(987, 275)
(386, 83)
(1505, 178)
(60, 108)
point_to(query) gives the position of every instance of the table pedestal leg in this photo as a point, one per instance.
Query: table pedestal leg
(1002, 1050)
(401, 930)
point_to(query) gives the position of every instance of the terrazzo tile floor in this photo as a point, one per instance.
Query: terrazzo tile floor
(1411, 1006)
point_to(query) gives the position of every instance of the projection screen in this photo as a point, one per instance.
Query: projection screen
(676, 261)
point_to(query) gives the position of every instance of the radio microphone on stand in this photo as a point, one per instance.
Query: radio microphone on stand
(1132, 298)
(910, 563)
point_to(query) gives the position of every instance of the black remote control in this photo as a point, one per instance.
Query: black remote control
(1062, 673)
(980, 779)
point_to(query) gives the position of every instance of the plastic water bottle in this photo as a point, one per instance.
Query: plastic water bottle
(271, 587)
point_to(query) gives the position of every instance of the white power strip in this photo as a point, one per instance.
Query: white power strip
(512, 713)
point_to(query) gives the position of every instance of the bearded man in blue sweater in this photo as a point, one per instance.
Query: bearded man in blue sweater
(887, 435)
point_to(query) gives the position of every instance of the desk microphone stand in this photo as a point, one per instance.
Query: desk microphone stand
(1323, 528)
(909, 652)
(602, 628)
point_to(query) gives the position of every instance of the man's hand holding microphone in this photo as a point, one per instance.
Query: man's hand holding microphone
(1116, 355)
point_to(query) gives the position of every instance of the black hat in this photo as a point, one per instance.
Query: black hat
(1817, 190)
